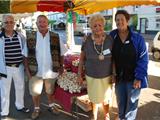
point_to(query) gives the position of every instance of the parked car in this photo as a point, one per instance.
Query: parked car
(79, 27)
(156, 47)
(59, 26)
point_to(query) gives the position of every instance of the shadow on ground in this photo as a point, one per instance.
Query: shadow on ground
(150, 111)
(154, 82)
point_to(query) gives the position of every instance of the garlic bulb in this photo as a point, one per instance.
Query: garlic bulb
(75, 62)
(68, 81)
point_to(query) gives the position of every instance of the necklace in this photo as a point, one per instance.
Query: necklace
(100, 54)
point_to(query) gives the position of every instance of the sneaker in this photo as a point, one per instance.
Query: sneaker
(54, 110)
(35, 114)
(25, 110)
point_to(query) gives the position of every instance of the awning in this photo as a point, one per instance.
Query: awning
(29, 6)
(86, 7)
(81, 6)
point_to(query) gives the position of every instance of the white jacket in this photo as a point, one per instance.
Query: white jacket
(23, 44)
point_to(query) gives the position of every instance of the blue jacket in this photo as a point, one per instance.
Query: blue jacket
(141, 56)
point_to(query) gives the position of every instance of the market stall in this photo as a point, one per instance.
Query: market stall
(67, 87)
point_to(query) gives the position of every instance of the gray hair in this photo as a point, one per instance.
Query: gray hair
(42, 16)
(5, 16)
(96, 17)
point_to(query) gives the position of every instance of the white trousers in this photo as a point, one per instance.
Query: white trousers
(17, 75)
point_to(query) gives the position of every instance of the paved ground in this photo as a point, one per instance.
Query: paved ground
(149, 104)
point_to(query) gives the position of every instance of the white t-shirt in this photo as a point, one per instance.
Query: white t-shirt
(43, 56)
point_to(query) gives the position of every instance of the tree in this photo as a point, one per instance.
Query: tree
(135, 21)
(4, 6)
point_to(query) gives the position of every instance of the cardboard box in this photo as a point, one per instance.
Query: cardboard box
(84, 103)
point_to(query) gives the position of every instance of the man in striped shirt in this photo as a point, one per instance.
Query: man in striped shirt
(13, 53)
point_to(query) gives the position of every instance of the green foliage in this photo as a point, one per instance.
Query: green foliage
(108, 26)
(52, 21)
(134, 21)
(4, 6)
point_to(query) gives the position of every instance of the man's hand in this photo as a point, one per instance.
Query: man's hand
(137, 84)
(61, 70)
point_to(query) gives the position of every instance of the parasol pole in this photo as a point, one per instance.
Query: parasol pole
(114, 10)
(70, 27)
(70, 33)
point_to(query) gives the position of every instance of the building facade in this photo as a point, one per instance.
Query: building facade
(145, 19)
(148, 19)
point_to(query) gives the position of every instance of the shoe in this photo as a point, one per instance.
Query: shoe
(93, 118)
(35, 114)
(4, 117)
(107, 117)
(25, 110)
(54, 110)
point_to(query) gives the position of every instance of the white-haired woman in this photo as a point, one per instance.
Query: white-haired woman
(96, 58)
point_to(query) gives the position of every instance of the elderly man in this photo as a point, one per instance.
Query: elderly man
(13, 53)
(46, 62)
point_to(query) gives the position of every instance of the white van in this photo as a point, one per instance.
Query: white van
(82, 28)
(156, 47)
(79, 27)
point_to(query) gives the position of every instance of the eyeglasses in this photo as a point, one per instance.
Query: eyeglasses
(9, 22)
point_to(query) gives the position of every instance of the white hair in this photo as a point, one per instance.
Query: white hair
(5, 16)
(96, 17)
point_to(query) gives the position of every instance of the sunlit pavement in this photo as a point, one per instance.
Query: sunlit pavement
(154, 68)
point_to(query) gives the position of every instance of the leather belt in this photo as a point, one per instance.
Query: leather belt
(13, 65)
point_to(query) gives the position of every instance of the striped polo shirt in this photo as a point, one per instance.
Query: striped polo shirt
(13, 52)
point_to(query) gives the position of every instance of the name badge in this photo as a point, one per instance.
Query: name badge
(127, 42)
(107, 51)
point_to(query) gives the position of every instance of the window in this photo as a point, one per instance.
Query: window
(158, 23)
(147, 23)
(158, 20)
(157, 10)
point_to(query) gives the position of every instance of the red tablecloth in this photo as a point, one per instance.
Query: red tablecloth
(65, 98)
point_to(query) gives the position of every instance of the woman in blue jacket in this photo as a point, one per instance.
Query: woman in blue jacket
(130, 58)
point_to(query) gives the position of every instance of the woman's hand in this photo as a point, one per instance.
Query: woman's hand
(113, 79)
(137, 84)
